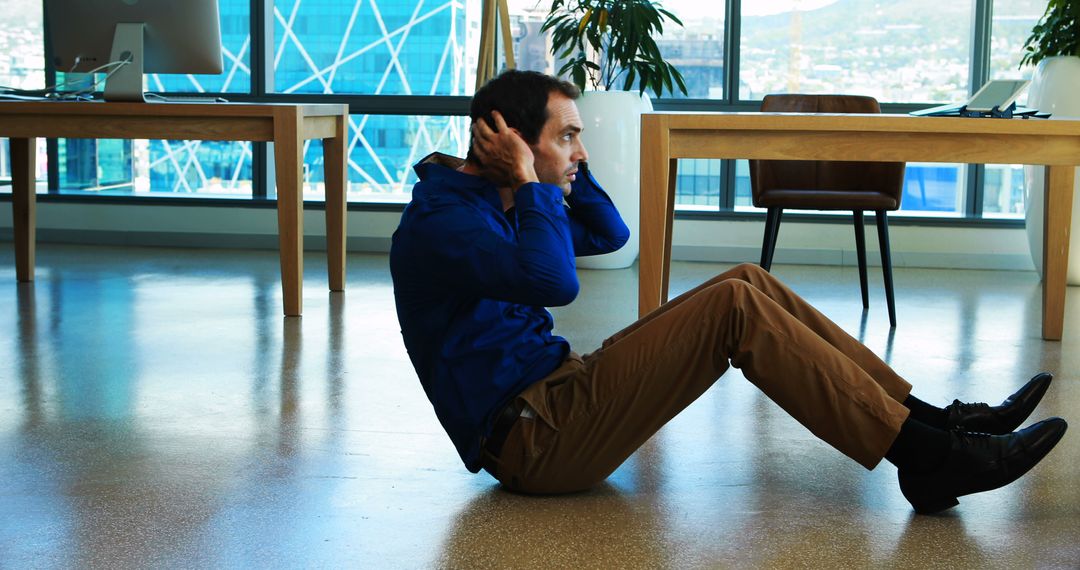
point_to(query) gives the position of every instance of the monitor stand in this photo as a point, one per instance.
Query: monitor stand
(125, 83)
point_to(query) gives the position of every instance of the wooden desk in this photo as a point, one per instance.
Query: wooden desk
(666, 137)
(287, 126)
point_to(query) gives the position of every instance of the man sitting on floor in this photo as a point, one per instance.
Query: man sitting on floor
(488, 242)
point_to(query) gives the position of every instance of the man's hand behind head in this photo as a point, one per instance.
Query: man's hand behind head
(506, 158)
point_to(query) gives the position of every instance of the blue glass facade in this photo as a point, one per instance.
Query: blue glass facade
(372, 47)
(208, 167)
(392, 47)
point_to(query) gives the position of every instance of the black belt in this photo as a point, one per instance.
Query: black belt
(504, 422)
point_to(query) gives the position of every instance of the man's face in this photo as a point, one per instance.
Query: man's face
(559, 149)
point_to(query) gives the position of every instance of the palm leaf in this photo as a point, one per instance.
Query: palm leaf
(622, 33)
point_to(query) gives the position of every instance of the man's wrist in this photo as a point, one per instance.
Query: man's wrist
(523, 178)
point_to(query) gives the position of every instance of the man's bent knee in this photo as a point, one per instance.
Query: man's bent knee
(749, 271)
(730, 287)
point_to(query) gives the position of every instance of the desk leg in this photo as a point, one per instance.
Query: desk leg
(288, 164)
(1058, 201)
(657, 180)
(23, 204)
(336, 179)
(669, 224)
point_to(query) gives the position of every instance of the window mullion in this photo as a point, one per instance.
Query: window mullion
(732, 16)
(979, 74)
(52, 148)
(262, 82)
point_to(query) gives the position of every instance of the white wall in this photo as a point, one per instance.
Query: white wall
(834, 244)
(695, 240)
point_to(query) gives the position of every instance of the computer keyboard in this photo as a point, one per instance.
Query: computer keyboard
(156, 98)
(17, 97)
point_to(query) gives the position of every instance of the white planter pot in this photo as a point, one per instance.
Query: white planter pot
(612, 136)
(1054, 88)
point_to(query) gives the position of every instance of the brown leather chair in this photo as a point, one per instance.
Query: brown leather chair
(819, 185)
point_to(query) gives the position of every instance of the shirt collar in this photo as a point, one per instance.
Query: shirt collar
(437, 167)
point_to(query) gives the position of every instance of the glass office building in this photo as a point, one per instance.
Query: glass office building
(379, 47)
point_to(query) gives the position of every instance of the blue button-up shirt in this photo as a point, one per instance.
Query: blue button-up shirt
(471, 283)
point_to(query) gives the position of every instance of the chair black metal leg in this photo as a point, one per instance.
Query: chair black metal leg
(860, 249)
(886, 263)
(772, 229)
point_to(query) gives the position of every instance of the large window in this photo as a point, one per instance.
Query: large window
(914, 51)
(406, 67)
(697, 48)
(22, 66)
(373, 47)
(901, 52)
(379, 47)
(1010, 27)
(382, 150)
(1003, 185)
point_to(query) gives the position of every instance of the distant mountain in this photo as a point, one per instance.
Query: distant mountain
(863, 22)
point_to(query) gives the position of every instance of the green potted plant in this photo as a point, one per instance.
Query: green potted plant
(610, 46)
(1057, 33)
(1054, 49)
(604, 41)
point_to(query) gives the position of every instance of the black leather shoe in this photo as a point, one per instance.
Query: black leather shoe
(1003, 419)
(979, 462)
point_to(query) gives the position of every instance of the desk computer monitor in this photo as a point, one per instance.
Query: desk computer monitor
(151, 36)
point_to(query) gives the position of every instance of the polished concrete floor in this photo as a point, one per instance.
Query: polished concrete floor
(156, 410)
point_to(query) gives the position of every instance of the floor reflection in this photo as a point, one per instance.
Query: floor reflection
(886, 356)
(601, 528)
(156, 410)
(99, 478)
(124, 485)
(26, 356)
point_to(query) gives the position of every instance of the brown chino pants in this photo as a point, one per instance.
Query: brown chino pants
(594, 411)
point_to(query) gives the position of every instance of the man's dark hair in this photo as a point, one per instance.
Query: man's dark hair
(521, 97)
